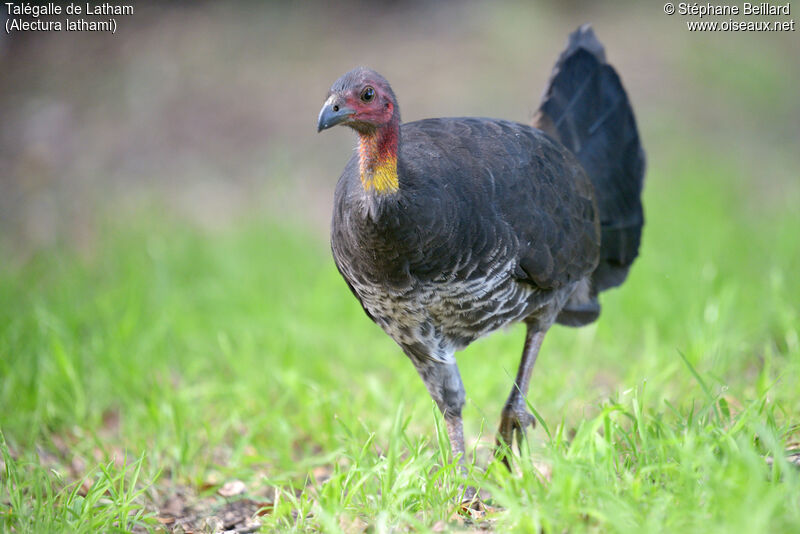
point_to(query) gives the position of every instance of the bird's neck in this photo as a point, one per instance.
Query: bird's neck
(377, 151)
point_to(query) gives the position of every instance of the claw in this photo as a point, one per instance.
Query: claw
(513, 427)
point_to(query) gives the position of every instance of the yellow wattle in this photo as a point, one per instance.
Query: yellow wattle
(382, 177)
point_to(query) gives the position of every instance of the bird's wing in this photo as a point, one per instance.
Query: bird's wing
(498, 191)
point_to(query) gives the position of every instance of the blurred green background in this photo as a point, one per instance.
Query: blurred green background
(166, 286)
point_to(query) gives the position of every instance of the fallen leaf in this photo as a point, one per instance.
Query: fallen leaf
(354, 525)
(212, 525)
(322, 473)
(232, 488)
(265, 507)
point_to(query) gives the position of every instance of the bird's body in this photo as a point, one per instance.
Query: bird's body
(448, 229)
(450, 256)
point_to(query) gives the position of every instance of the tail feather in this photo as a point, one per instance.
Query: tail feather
(586, 108)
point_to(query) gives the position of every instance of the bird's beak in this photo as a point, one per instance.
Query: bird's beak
(333, 113)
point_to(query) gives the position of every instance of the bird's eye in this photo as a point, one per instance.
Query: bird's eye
(368, 94)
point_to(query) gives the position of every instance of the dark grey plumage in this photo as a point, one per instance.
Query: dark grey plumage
(492, 222)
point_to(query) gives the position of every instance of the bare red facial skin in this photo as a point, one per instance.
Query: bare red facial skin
(378, 140)
(369, 115)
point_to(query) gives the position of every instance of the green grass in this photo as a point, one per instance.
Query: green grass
(168, 357)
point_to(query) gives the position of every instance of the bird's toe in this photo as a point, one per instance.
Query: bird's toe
(524, 419)
(516, 418)
(513, 426)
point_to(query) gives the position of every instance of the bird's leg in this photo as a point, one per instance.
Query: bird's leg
(515, 417)
(445, 387)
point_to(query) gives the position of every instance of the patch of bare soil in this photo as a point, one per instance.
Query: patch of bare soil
(228, 511)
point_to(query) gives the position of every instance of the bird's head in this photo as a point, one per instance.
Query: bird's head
(361, 99)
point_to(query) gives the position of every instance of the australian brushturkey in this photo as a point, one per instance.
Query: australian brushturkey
(447, 229)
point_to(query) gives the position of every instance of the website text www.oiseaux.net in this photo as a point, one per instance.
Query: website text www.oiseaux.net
(740, 26)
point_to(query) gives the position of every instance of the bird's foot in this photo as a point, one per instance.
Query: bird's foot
(514, 422)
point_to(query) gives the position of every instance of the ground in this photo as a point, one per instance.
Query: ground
(177, 350)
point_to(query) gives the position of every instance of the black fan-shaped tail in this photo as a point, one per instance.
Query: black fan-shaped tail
(586, 108)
